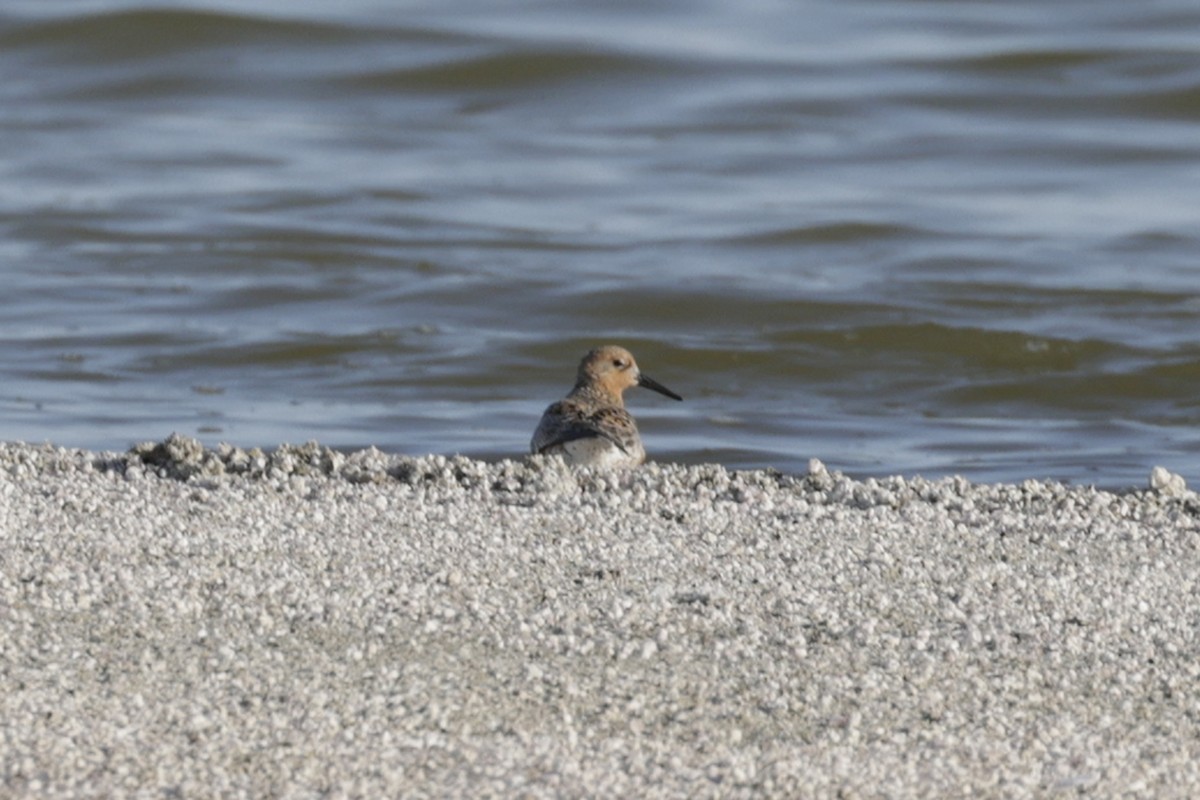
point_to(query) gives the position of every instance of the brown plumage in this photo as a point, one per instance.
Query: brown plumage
(590, 426)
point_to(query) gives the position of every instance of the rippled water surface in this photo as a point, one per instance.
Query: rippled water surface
(902, 237)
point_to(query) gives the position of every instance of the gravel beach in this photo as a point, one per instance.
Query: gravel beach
(183, 622)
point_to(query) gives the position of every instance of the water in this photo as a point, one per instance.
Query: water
(902, 237)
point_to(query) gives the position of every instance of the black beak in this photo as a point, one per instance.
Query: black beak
(650, 383)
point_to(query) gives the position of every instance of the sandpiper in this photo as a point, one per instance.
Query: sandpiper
(590, 426)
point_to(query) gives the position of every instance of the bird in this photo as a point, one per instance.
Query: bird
(590, 426)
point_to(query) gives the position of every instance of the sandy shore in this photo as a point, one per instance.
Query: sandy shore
(191, 623)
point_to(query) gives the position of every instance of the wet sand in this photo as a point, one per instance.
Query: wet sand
(185, 622)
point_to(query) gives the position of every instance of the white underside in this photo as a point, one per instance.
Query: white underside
(595, 452)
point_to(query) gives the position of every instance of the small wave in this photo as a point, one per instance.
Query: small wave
(511, 70)
(979, 348)
(834, 233)
(127, 35)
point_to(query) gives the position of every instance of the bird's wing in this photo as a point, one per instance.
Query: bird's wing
(565, 422)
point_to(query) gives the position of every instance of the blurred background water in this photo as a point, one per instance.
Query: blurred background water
(903, 236)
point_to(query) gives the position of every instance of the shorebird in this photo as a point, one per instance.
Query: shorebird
(590, 426)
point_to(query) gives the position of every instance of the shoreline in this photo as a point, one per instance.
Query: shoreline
(213, 621)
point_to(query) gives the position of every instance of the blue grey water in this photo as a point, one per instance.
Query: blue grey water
(900, 236)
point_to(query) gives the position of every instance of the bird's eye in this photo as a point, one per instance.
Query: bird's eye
(619, 363)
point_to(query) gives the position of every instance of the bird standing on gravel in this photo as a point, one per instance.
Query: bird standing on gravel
(590, 426)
